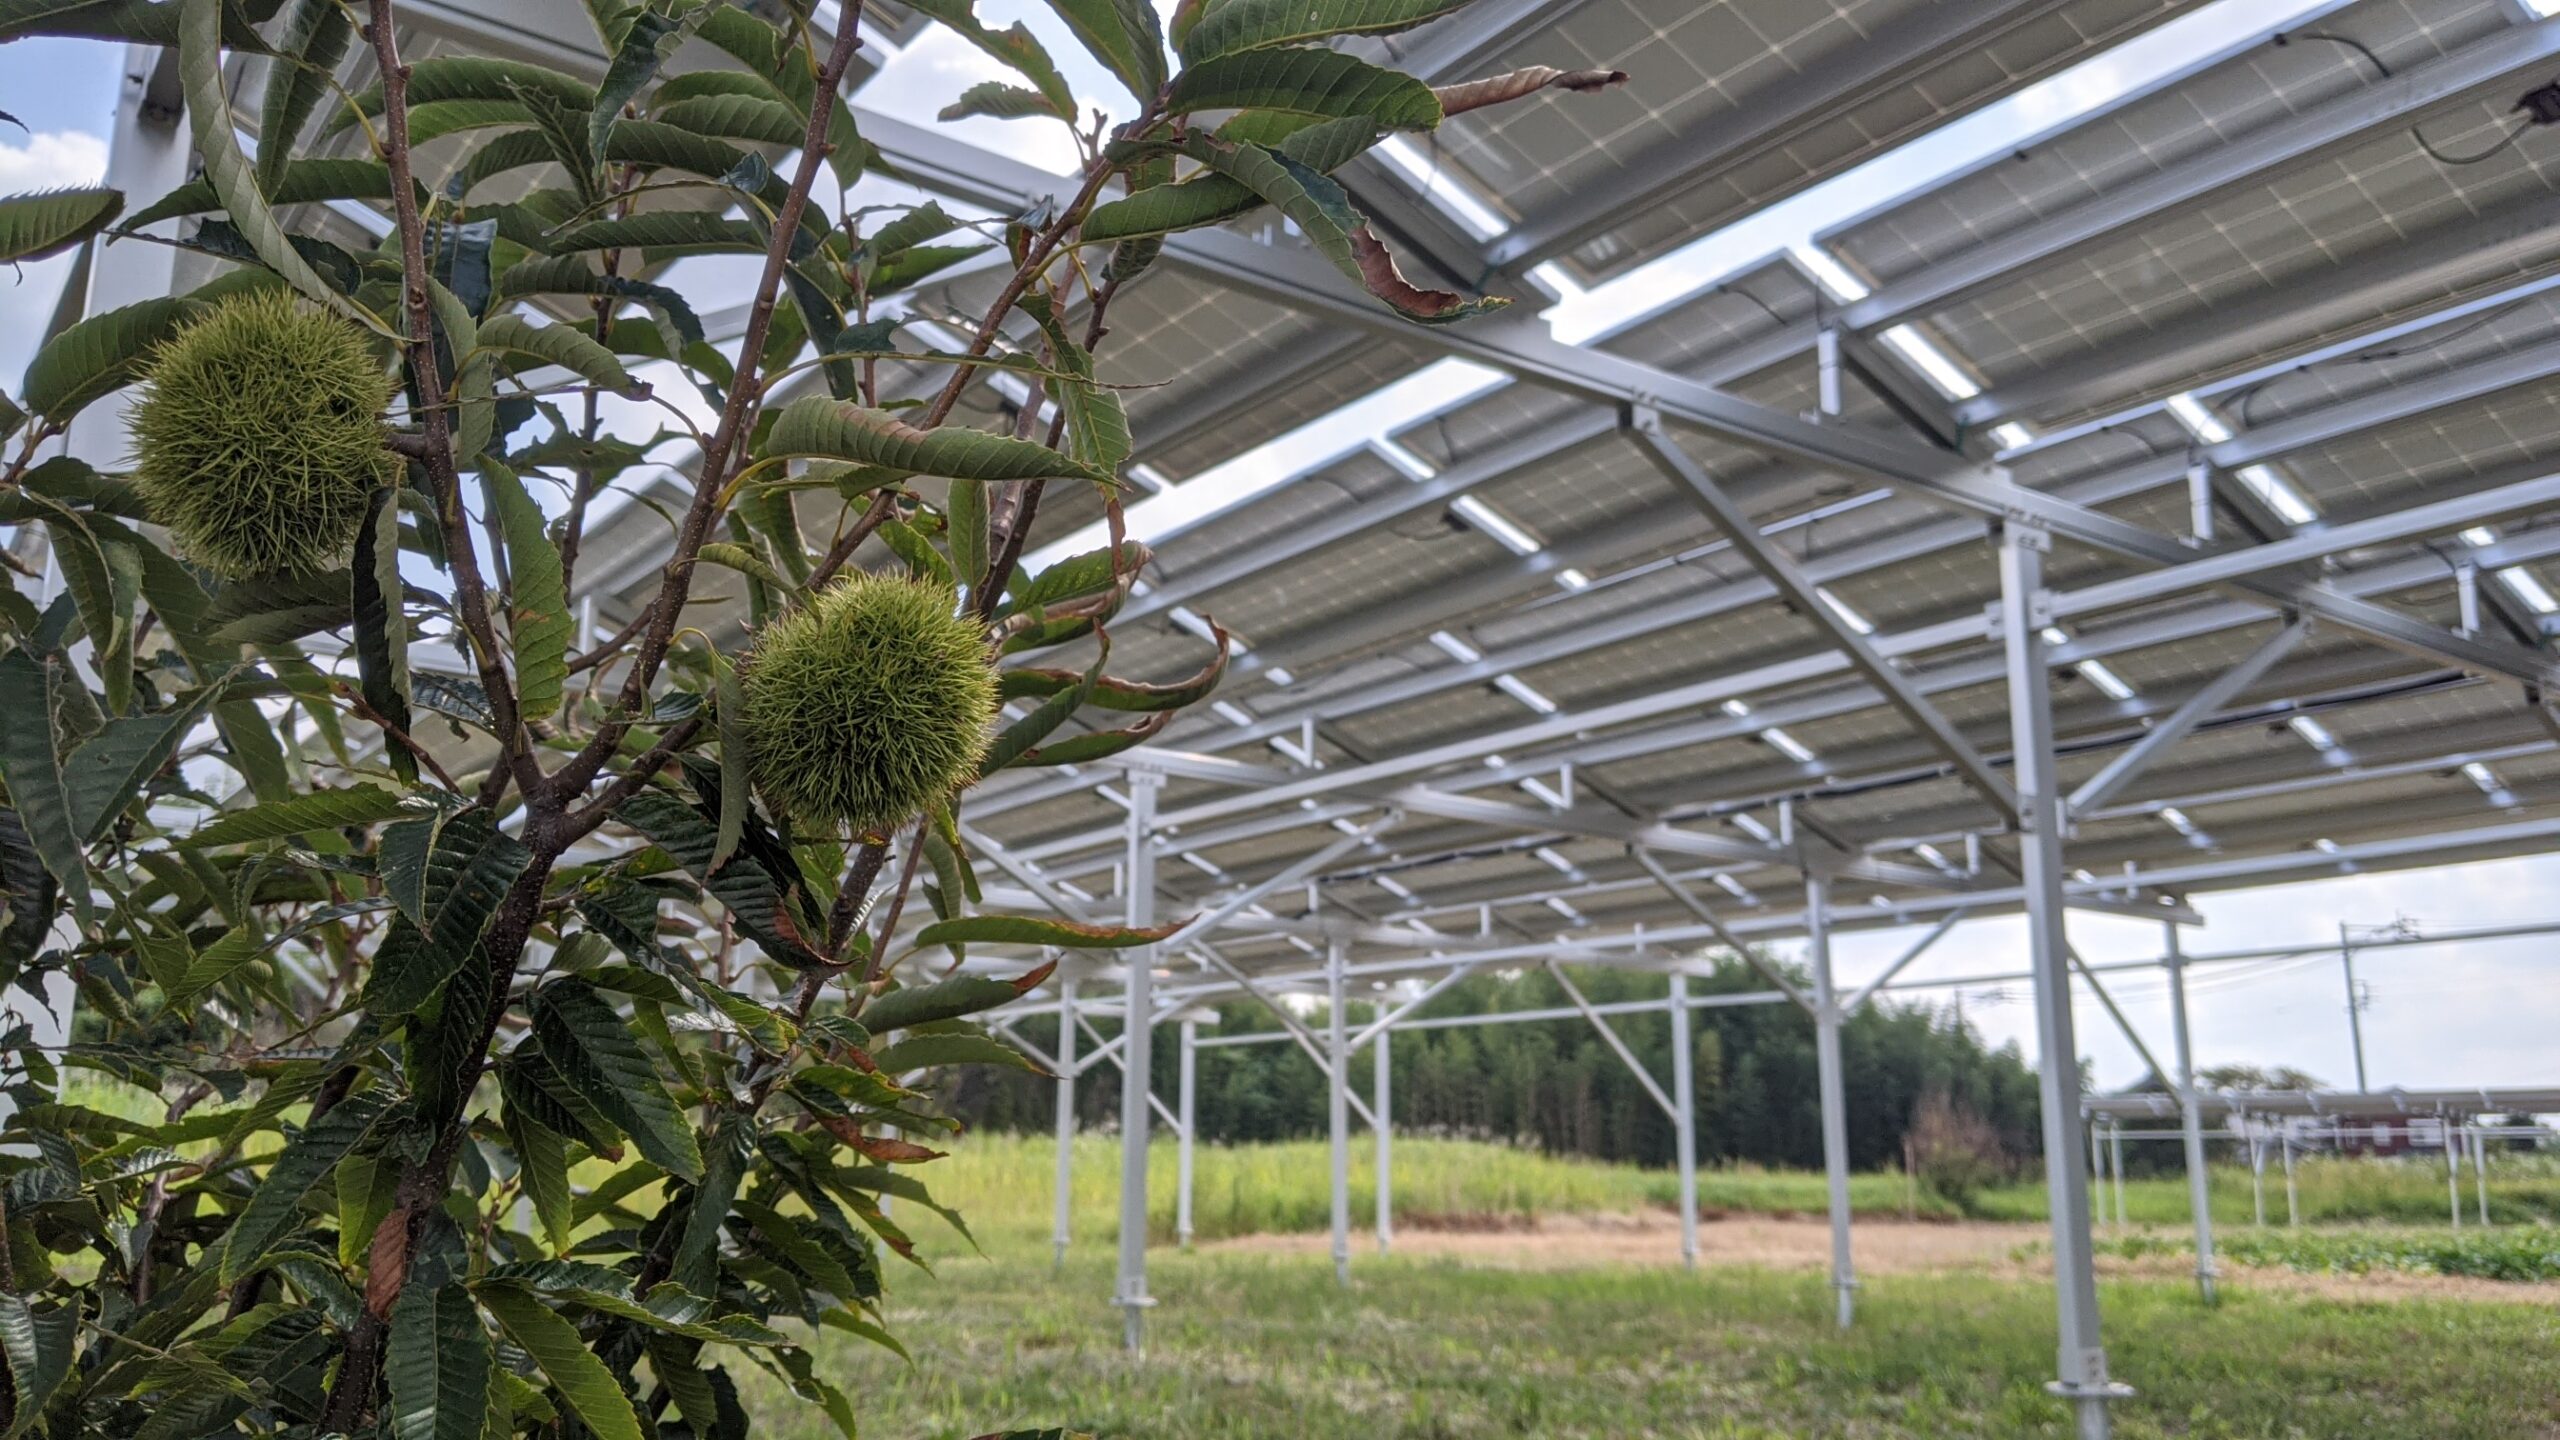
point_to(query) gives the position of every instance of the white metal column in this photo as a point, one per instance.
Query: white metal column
(2081, 1356)
(1136, 1063)
(1064, 1226)
(2115, 1163)
(2452, 1170)
(2191, 1115)
(1185, 1109)
(1382, 1120)
(1834, 1093)
(1338, 1097)
(1684, 1089)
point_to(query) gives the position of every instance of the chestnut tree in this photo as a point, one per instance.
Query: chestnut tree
(531, 1042)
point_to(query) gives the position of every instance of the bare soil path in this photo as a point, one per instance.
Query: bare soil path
(1881, 1247)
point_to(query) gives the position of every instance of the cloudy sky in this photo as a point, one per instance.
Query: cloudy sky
(2477, 1013)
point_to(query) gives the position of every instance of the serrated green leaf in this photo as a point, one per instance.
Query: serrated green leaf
(437, 1365)
(464, 876)
(538, 605)
(734, 117)
(595, 1050)
(1326, 84)
(1037, 930)
(214, 964)
(1078, 576)
(542, 1164)
(1017, 739)
(381, 624)
(999, 101)
(670, 233)
(303, 182)
(821, 428)
(209, 115)
(300, 815)
(313, 39)
(750, 887)
(647, 43)
(107, 771)
(1097, 421)
(48, 222)
(279, 609)
(950, 999)
(731, 704)
(1124, 35)
(932, 1052)
(305, 1161)
(1014, 45)
(1320, 209)
(566, 346)
(575, 275)
(37, 1345)
(1234, 25)
(573, 1370)
(443, 79)
(454, 117)
(656, 145)
(100, 355)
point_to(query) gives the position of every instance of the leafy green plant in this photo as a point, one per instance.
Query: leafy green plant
(511, 1069)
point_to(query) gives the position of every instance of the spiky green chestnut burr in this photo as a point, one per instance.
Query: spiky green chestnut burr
(259, 434)
(868, 703)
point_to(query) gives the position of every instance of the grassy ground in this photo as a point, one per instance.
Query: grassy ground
(1252, 1347)
(2512, 1252)
(1245, 1346)
(1263, 1189)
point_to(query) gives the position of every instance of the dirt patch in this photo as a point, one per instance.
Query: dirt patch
(1879, 1247)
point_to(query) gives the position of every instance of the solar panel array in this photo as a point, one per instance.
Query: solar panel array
(2234, 232)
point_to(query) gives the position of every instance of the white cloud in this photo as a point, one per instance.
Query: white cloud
(50, 159)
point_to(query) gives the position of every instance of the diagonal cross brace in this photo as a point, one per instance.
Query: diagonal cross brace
(1798, 590)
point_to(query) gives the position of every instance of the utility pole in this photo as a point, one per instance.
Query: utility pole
(2355, 1007)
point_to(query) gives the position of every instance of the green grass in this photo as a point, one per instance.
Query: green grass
(1252, 1348)
(1286, 1188)
(2514, 1252)
(1248, 1346)
(2523, 1189)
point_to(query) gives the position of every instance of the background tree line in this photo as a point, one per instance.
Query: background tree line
(1555, 1085)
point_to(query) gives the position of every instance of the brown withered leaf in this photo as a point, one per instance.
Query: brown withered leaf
(1520, 84)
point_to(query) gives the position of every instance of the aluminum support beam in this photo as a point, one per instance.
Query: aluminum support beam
(1316, 1049)
(1609, 1036)
(1834, 1096)
(1065, 1201)
(2287, 145)
(2333, 599)
(1810, 602)
(2124, 1024)
(1684, 1133)
(1136, 1121)
(1338, 1111)
(2199, 707)
(1749, 954)
(2081, 1356)
(1382, 1124)
(2190, 1116)
(1525, 349)
(1379, 1028)
(1918, 948)
(1187, 1136)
